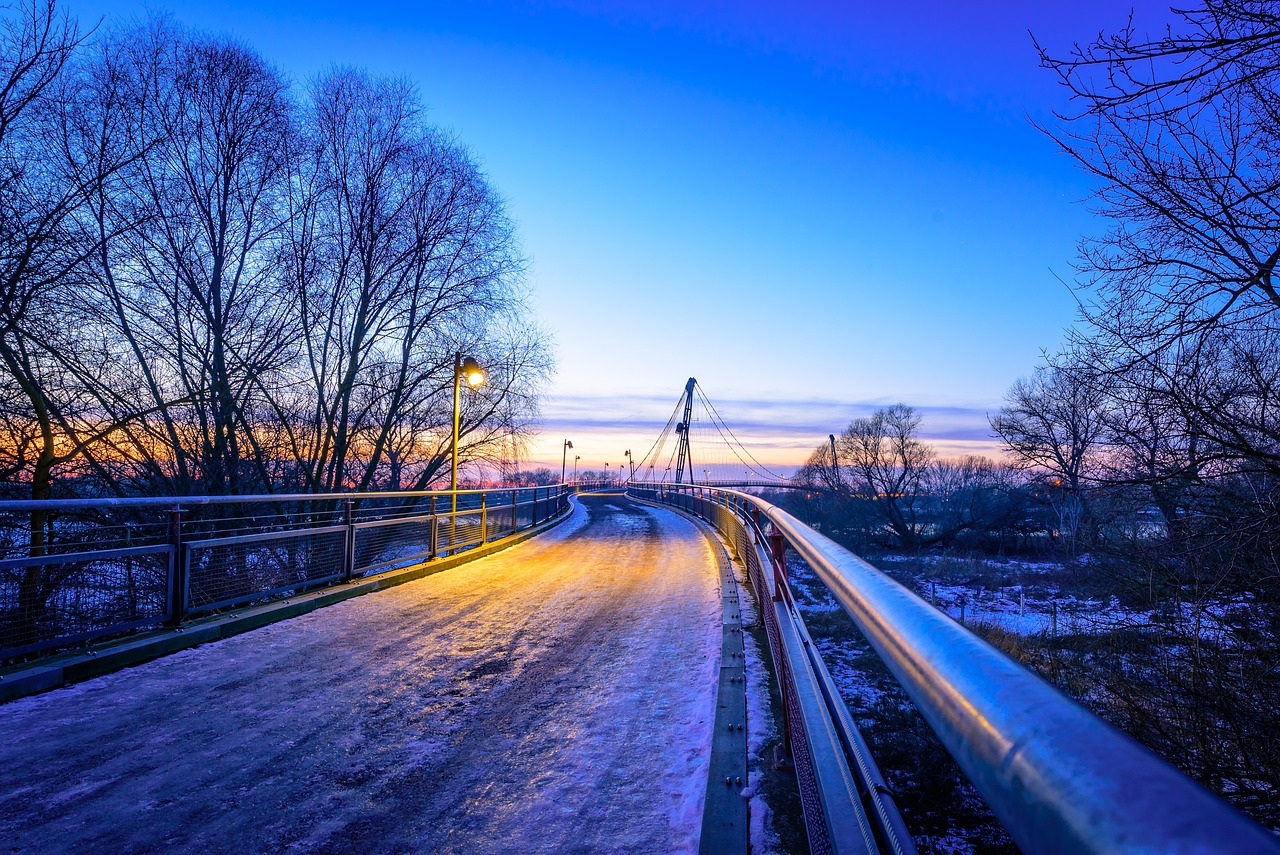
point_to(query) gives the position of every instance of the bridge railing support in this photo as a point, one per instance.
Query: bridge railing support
(111, 566)
(176, 606)
(1057, 777)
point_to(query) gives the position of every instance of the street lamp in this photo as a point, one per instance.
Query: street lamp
(564, 457)
(632, 462)
(469, 369)
(576, 458)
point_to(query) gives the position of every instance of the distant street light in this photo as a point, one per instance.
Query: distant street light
(576, 458)
(564, 458)
(474, 374)
(632, 462)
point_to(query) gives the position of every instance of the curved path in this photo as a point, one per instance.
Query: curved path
(554, 697)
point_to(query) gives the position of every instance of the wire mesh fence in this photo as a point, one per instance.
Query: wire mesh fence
(72, 571)
(229, 571)
(54, 599)
(390, 544)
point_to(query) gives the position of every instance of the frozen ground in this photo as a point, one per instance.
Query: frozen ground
(556, 697)
(761, 728)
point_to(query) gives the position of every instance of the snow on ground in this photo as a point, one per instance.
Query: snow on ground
(554, 697)
(761, 728)
(1030, 601)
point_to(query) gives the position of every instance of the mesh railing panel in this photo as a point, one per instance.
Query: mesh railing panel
(236, 570)
(50, 601)
(464, 532)
(501, 522)
(392, 544)
(806, 779)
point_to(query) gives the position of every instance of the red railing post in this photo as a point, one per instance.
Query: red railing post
(349, 547)
(433, 537)
(778, 551)
(177, 570)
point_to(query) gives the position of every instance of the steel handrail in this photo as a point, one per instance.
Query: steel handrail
(18, 505)
(1058, 777)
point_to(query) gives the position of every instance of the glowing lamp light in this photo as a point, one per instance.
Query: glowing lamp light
(473, 373)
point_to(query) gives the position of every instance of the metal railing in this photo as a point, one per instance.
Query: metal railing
(102, 567)
(1058, 778)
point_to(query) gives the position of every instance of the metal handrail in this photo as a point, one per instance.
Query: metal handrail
(848, 809)
(18, 505)
(1058, 777)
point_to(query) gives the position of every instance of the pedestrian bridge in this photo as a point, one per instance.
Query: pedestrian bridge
(542, 669)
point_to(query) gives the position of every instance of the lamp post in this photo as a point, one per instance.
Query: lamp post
(564, 458)
(632, 463)
(606, 475)
(474, 374)
(576, 458)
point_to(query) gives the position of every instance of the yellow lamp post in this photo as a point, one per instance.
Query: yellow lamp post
(469, 369)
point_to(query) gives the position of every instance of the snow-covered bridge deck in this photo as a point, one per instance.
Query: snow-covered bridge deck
(556, 697)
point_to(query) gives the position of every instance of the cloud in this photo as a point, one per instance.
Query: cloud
(781, 432)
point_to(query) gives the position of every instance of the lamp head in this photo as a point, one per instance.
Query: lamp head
(472, 373)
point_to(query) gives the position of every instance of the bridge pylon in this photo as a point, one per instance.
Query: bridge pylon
(683, 454)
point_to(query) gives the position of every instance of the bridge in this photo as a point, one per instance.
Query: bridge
(552, 669)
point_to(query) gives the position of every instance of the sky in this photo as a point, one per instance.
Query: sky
(816, 209)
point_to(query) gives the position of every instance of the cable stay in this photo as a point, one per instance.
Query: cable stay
(697, 446)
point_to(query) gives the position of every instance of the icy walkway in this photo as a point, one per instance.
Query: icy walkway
(555, 697)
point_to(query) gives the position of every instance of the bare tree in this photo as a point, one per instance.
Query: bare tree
(887, 464)
(193, 228)
(1053, 423)
(1180, 132)
(38, 244)
(400, 255)
(967, 493)
(50, 169)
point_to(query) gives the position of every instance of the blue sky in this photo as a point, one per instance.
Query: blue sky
(814, 208)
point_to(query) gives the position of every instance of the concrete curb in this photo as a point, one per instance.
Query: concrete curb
(65, 668)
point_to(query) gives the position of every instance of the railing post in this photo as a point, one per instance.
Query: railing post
(484, 518)
(534, 517)
(433, 536)
(349, 548)
(778, 550)
(177, 570)
(515, 512)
